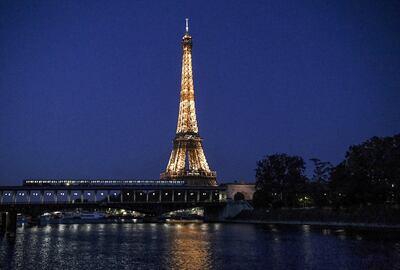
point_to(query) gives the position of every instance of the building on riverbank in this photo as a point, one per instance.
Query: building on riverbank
(236, 188)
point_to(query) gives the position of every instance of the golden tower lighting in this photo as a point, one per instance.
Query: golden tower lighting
(187, 160)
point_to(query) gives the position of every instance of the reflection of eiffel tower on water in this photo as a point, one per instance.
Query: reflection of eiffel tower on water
(187, 160)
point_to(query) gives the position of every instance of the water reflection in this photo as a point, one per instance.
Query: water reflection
(197, 246)
(189, 248)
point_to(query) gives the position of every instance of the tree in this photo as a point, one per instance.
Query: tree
(280, 179)
(370, 173)
(322, 170)
(262, 199)
(318, 187)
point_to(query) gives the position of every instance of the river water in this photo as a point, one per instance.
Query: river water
(197, 246)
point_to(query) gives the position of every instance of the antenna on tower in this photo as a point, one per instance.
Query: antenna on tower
(187, 25)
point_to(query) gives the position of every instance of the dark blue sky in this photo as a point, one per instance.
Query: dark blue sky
(90, 89)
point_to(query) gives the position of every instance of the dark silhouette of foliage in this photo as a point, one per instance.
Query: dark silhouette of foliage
(262, 199)
(280, 180)
(322, 171)
(318, 186)
(370, 173)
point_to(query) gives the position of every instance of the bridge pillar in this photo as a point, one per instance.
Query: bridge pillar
(223, 212)
(3, 222)
(11, 223)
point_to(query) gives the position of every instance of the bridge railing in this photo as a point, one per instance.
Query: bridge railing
(109, 196)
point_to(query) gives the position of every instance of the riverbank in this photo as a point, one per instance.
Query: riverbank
(367, 217)
(317, 223)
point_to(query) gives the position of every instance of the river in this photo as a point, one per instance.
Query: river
(197, 246)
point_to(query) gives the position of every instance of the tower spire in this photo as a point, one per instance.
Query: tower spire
(187, 160)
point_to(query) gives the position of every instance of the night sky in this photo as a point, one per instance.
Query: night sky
(90, 89)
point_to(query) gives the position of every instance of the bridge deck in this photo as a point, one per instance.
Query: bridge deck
(15, 195)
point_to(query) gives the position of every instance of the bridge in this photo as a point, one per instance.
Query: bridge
(151, 197)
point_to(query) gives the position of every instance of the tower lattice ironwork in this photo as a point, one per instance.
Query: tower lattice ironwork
(187, 160)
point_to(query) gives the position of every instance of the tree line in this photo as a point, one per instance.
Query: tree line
(368, 175)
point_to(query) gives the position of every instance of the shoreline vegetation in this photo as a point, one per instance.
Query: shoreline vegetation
(363, 190)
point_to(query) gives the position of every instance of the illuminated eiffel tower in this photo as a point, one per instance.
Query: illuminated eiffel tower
(187, 161)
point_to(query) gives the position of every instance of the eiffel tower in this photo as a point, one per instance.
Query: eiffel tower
(187, 161)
